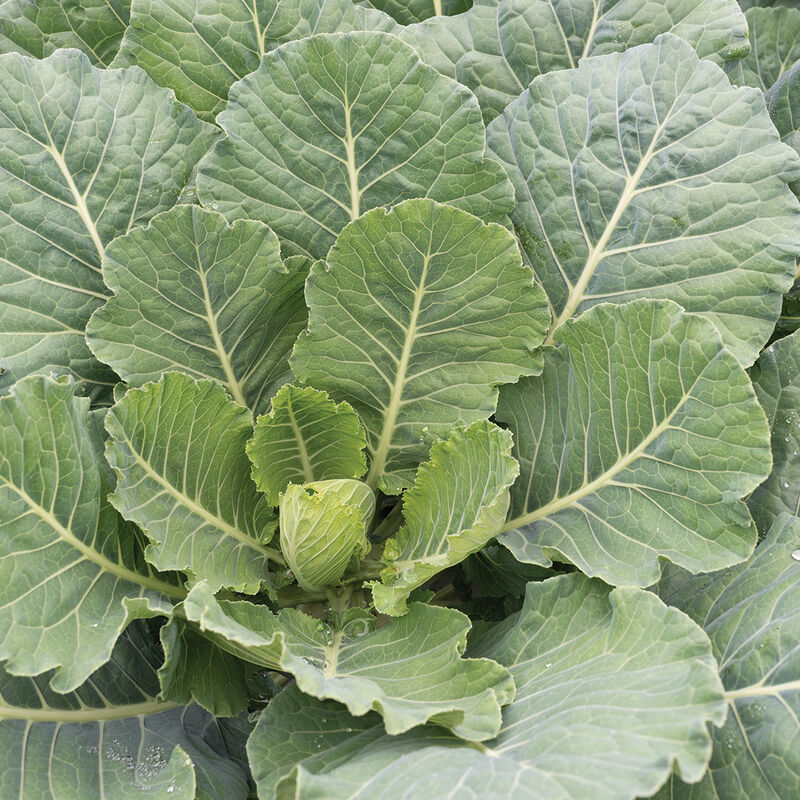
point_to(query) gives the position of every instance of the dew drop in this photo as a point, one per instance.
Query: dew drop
(786, 484)
(796, 555)
(548, 665)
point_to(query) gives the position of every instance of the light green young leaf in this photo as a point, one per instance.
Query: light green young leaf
(613, 688)
(331, 126)
(72, 572)
(196, 669)
(406, 12)
(775, 39)
(111, 738)
(305, 437)
(636, 444)
(646, 175)
(499, 46)
(458, 504)
(38, 27)
(410, 671)
(200, 47)
(776, 378)
(85, 155)
(752, 616)
(197, 295)
(178, 449)
(416, 316)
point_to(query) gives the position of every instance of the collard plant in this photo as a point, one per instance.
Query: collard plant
(399, 399)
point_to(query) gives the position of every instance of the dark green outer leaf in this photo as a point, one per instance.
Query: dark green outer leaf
(407, 12)
(775, 40)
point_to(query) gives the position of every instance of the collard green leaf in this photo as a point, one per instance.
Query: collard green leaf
(38, 27)
(331, 126)
(646, 174)
(197, 295)
(458, 504)
(72, 572)
(406, 12)
(178, 449)
(752, 617)
(200, 47)
(776, 377)
(409, 671)
(499, 46)
(495, 572)
(111, 738)
(305, 437)
(613, 687)
(775, 40)
(783, 102)
(414, 318)
(637, 443)
(85, 155)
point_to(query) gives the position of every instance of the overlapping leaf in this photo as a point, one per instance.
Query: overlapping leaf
(71, 570)
(775, 39)
(752, 616)
(407, 12)
(38, 27)
(646, 174)
(613, 687)
(334, 125)
(111, 738)
(200, 48)
(410, 670)
(499, 46)
(458, 504)
(197, 295)
(417, 315)
(305, 437)
(637, 442)
(178, 449)
(85, 154)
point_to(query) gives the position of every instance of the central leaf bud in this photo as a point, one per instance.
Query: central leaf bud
(323, 526)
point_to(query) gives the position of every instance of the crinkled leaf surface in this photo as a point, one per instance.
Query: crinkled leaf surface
(194, 294)
(38, 27)
(111, 739)
(178, 449)
(752, 616)
(305, 437)
(458, 504)
(775, 40)
(85, 155)
(645, 174)
(417, 314)
(72, 572)
(409, 670)
(499, 46)
(613, 687)
(776, 377)
(331, 126)
(200, 47)
(406, 12)
(637, 442)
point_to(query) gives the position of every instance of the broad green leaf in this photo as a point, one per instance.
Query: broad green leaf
(323, 527)
(776, 377)
(38, 27)
(613, 688)
(197, 295)
(499, 46)
(196, 669)
(178, 449)
(305, 437)
(410, 671)
(72, 572)
(458, 504)
(406, 12)
(85, 155)
(636, 444)
(200, 47)
(331, 126)
(416, 316)
(783, 102)
(775, 40)
(110, 738)
(646, 175)
(752, 617)
(496, 573)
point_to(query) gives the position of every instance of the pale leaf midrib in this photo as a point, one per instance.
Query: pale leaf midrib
(92, 555)
(82, 715)
(757, 690)
(308, 470)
